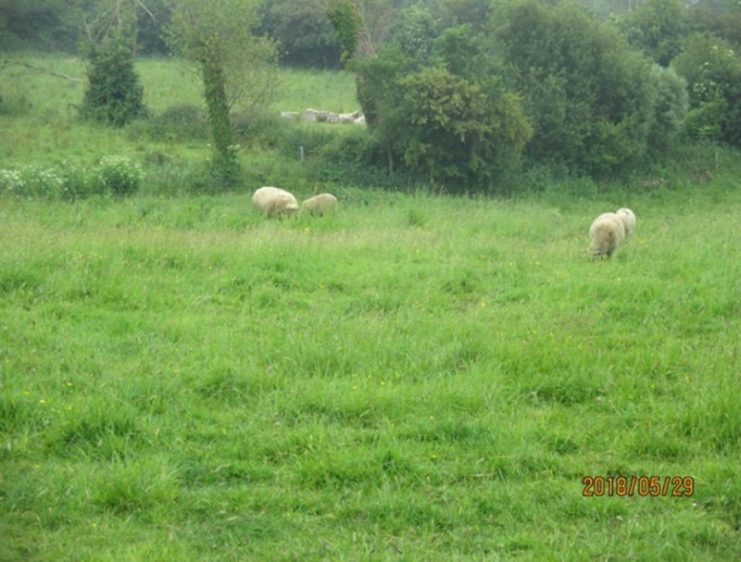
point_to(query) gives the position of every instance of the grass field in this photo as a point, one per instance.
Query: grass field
(415, 378)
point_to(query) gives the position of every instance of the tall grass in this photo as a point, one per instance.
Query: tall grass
(415, 378)
(38, 117)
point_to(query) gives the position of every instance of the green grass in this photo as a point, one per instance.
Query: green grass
(40, 126)
(416, 378)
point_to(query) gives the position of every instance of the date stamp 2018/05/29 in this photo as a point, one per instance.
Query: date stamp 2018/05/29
(628, 486)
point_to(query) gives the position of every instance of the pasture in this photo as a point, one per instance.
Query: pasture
(417, 377)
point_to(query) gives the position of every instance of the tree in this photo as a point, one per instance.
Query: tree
(362, 26)
(114, 94)
(305, 33)
(454, 124)
(217, 36)
(657, 28)
(589, 96)
(37, 24)
(346, 19)
(712, 68)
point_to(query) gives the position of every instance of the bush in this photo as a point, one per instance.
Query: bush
(118, 175)
(114, 94)
(67, 182)
(32, 181)
(587, 94)
(657, 27)
(712, 69)
(446, 117)
(670, 108)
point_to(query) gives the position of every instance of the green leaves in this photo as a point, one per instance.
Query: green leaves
(114, 94)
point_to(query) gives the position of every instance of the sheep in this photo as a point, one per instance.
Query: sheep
(321, 204)
(629, 220)
(606, 234)
(274, 201)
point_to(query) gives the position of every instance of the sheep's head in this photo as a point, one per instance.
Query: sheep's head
(291, 208)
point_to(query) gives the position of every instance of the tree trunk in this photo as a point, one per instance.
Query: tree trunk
(224, 162)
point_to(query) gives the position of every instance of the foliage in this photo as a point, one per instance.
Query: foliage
(588, 95)
(114, 94)
(303, 30)
(414, 31)
(346, 21)
(712, 68)
(150, 24)
(657, 27)
(37, 24)
(670, 102)
(717, 17)
(450, 119)
(218, 37)
(65, 181)
(457, 133)
(118, 175)
(376, 75)
(476, 14)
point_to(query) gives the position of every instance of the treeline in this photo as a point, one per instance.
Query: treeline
(464, 100)
(458, 93)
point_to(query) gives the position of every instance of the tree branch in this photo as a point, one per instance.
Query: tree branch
(6, 62)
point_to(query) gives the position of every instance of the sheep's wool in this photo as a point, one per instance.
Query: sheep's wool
(274, 201)
(629, 220)
(606, 234)
(320, 204)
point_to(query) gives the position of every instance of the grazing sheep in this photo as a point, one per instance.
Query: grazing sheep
(606, 234)
(274, 201)
(321, 204)
(629, 220)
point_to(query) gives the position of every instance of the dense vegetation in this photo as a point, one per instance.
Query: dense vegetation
(464, 95)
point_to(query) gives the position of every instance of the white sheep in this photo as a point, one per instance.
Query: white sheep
(629, 220)
(321, 204)
(606, 234)
(274, 201)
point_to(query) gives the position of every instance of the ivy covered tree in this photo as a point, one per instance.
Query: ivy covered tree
(347, 22)
(217, 36)
(114, 94)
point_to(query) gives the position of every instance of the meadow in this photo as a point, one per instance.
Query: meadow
(418, 377)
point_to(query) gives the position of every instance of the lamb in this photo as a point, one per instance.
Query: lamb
(629, 220)
(274, 201)
(321, 204)
(606, 234)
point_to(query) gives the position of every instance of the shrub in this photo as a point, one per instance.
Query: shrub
(113, 95)
(657, 27)
(589, 97)
(118, 175)
(11, 182)
(461, 134)
(445, 117)
(670, 108)
(712, 69)
(31, 181)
